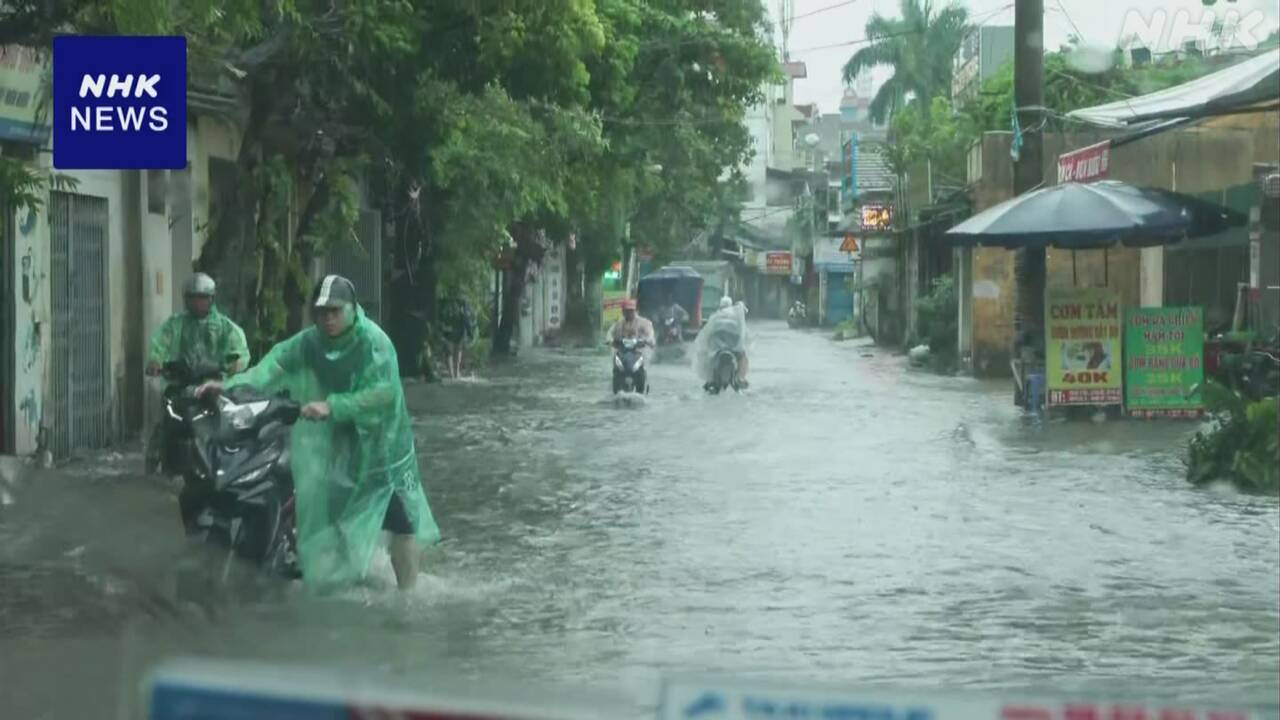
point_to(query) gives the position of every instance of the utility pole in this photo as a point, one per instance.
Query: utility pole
(1028, 168)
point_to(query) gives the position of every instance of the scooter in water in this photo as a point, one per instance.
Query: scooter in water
(238, 496)
(671, 333)
(724, 373)
(629, 374)
(798, 315)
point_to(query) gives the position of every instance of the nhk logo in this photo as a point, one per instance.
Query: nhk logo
(119, 102)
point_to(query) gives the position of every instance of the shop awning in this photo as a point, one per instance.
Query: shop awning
(1252, 84)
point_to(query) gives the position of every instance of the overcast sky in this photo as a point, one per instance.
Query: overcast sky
(1100, 22)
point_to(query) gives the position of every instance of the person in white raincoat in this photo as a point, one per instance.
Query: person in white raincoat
(725, 330)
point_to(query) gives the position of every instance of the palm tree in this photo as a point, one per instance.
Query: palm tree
(920, 46)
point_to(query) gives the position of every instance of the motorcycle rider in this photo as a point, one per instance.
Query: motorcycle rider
(355, 469)
(201, 336)
(673, 310)
(797, 313)
(726, 329)
(632, 325)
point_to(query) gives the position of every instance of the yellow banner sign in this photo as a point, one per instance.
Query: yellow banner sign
(1083, 361)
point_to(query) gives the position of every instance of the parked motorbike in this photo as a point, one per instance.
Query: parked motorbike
(169, 447)
(725, 373)
(798, 315)
(238, 497)
(629, 374)
(1255, 373)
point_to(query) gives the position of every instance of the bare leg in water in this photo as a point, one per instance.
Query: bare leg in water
(404, 560)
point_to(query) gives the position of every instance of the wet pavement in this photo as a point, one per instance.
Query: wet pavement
(845, 521)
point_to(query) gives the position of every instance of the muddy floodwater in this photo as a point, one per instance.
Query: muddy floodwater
(845, 521)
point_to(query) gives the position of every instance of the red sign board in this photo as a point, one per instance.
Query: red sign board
(777, 263)
(1086, 164)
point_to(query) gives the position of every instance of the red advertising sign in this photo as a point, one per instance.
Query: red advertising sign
(1086, 164)
(777, 263)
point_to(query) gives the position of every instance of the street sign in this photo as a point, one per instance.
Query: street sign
(777, 263)
(850, 244)
(1086, 164)
(713, 699)
(211, 690)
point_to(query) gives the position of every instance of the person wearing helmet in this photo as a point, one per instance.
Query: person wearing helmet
(353, 460)
(200, 335)
(726, 329)
(673, 318)
(632, 325)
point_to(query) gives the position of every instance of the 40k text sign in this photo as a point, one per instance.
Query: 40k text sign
(119, 102)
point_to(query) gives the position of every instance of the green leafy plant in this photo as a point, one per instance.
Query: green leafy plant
(937, 320)
(1242, 446)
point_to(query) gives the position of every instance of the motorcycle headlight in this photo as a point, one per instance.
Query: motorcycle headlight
(241, 417)
(617, 361)
(639, 362)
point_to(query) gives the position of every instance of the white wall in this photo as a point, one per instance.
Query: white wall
(33, 312)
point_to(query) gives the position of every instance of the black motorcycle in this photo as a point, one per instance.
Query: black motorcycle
(238, 493)
(629, 374)
(169, 447)
(724, 373)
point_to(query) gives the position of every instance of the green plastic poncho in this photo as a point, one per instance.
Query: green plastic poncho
(198, 341)
(346, 468)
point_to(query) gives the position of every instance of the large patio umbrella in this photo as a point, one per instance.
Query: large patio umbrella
(1079, 216)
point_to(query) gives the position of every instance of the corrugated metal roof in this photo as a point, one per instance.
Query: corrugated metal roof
(1253, 81)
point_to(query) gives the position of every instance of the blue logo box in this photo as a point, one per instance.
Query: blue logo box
(119, 102)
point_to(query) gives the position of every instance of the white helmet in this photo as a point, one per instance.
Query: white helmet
(726, 302)
(199, 284)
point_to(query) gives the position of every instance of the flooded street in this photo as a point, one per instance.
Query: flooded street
(846, 521)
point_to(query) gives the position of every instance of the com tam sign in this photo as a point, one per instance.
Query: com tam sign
(1083, 347)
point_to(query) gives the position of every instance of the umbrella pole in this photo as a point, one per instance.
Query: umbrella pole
(1074, 281)
(1106, 268)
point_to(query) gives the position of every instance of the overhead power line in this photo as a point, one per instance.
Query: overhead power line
(985, 18)
(811, 13)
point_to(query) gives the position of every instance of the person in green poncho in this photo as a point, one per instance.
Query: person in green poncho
(200, 336)
(352, 457)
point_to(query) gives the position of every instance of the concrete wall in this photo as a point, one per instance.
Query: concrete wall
(1193, 160)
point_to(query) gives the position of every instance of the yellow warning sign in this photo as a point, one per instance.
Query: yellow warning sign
(850, 244)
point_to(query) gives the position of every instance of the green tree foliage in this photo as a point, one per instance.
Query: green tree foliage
(937, 319)
(919, 45)
(1243, 445)
(477, 126)
(944, 135)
